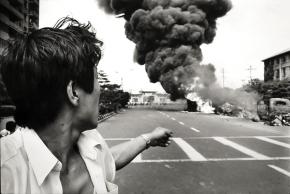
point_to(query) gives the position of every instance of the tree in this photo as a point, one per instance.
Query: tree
(276, 89)
(270, 89)
(254, 85)
(112, 97)
(103, 78)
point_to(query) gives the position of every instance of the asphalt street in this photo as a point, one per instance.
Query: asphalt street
(209, 154)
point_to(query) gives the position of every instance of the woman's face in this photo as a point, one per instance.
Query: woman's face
(88, 110)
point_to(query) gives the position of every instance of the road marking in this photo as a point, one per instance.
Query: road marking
(189, 150)
(231, 137)
(212, 160)
(281, 170)
(137, 159)
(274, 141)
(181, 123)
(241, 148)
(173, 119)
(268, 130)
(194, 129)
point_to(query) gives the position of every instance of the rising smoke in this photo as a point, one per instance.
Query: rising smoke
(168, 35)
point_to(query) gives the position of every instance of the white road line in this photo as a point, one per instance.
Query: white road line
(118, 139)
(173, 119)
(189, 150)
(138, 158)
(231, 137)
(281, 170)
(270, 136)
(274, 141)
(268, 130)
(212, 160)
(241, 148)
(181, 123)
(194, 129)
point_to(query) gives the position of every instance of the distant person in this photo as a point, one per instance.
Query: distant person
(51, 76)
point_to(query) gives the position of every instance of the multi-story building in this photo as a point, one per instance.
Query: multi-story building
(277, 67)
(17, 17)
(149, 97)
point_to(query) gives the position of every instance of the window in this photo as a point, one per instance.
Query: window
(277, 74)
(280, 103)
(283, 59)
(284, 72)
(277, 61)
(271, 62)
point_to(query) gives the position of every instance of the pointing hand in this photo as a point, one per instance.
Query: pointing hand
(160, 137)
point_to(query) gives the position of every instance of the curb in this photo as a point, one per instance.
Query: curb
(106, 116)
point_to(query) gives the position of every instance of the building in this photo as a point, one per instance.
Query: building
(149, 97)
(277, 67)
(17, 17)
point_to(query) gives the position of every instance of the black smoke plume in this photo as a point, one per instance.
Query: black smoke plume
(168, 35)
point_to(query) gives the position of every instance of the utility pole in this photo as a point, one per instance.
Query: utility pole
(122, 83)
(223, 73)
(250, 69)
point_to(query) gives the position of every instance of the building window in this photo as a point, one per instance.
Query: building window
(162, 100)
(271, 62)
(283, 59)
(284, 72)
(277, 74)
(277, 61)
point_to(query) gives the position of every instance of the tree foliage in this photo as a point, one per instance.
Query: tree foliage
(112, 96)
(276, 89)
(270, 89)
(254, 85)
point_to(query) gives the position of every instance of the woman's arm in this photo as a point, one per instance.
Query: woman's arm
(125, 152)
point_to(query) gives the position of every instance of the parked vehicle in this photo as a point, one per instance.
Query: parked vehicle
(276, 106)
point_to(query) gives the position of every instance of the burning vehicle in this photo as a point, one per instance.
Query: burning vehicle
(275, 111)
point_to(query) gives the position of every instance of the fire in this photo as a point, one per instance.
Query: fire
(168, 35)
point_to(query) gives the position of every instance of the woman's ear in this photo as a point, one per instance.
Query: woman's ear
(72, 93)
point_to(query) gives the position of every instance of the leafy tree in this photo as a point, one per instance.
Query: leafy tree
(112, 97)
(103, 78)
(276, 89)
(270, 89)
(254, 85)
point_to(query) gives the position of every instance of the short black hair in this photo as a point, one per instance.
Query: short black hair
(36, 69)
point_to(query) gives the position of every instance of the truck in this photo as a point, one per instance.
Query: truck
(274, 108)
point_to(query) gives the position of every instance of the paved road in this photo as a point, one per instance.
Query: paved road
(209, 154)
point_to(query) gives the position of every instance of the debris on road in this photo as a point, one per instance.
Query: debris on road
(275, 119)
(236, 111)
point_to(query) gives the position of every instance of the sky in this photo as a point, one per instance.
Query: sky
(252, 31)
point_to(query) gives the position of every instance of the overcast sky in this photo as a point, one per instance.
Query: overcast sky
(252, 31)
